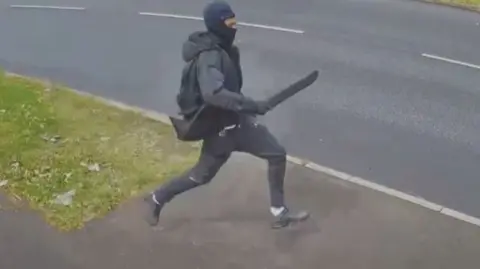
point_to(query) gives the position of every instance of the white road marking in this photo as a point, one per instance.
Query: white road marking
(451, 61)
(263, 26)
(171, 16)
(328, 171)
(269, 27)
(391, 192)
(47, 7)
(373, 186)
(460, 216)
(295, 160)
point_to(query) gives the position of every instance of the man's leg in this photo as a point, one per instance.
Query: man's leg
(257, 140)
(215, 152)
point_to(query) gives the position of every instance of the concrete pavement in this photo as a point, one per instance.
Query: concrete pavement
(225, 225)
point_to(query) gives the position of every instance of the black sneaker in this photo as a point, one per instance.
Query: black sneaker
(286, 218)
(154, 209)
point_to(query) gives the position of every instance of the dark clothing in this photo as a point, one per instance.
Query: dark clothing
(248, 137)
(214, 69)
(217, 78)
(213, 79)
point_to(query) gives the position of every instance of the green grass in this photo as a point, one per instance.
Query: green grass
(471, 4)
(52, 140)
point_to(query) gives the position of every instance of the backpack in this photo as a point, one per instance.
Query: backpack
(189, 98)
(196, 123)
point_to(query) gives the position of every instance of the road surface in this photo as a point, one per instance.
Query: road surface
(380, 110)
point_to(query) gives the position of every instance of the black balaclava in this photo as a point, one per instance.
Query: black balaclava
(214, 16)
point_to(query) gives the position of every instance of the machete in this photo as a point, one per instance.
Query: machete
(291, 90)
(196, 128)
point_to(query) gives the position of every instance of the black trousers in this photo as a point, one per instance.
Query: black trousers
(248, 137)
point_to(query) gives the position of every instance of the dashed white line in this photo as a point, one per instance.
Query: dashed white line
(435, 57)
(255, 25)
(166, 15)
(269, 27)
(47, 7)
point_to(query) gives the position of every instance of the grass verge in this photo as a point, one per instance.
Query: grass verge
(75, 158)
(468, 4)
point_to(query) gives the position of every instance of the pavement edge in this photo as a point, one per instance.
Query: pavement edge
(163, 118)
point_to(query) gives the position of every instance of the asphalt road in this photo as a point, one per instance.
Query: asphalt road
(380, 110)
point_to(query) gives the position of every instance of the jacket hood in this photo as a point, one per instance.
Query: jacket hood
(198, 42)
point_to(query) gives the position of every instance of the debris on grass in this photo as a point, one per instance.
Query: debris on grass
(51, 139)
(65, 198)
(95, 167)
(75, 158)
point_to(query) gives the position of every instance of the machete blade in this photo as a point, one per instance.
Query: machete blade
(293, 89)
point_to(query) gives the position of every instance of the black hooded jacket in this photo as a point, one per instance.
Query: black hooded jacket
(217, 76)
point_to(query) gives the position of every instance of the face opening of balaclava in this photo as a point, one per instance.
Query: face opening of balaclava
(214, 16)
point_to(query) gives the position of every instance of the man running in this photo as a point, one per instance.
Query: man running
(213, 71)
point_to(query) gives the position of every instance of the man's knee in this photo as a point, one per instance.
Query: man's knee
(202, 174)
(201, 179)
(279, 156)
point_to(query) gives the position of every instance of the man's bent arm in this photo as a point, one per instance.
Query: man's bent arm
(211, 83)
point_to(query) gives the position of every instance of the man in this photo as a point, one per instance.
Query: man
(213, 71)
